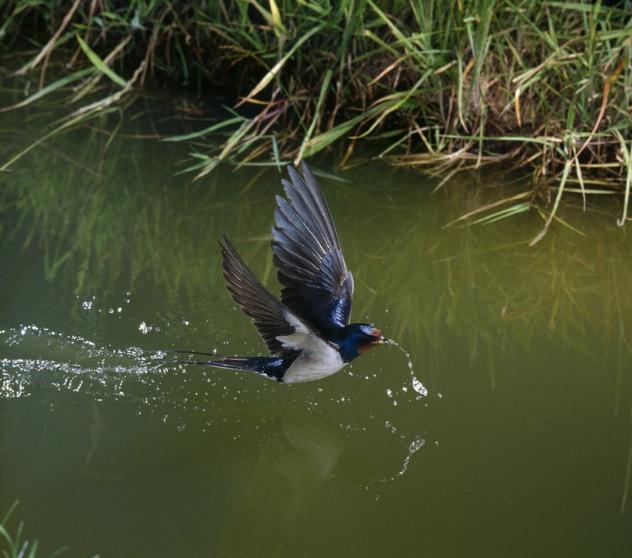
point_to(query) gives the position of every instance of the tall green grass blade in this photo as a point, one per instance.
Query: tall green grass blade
(50, 88)
(99, 64)
(276, 153)
(10, 511)
(317, 113)
(271, 74)
(503, 213)
(206, 131)
(627, 158)
(560, 191)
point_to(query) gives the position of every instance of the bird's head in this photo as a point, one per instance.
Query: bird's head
(356, 339)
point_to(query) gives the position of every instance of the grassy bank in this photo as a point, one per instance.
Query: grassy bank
(440, 86)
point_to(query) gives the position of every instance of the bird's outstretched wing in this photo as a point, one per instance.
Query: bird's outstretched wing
(317, 286)
(260, 305)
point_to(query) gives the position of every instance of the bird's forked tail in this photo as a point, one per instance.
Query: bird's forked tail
(272, 367)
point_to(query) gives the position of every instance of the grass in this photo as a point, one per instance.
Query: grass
(438, 86)
(16, 545)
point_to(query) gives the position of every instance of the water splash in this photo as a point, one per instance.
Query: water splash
(35, 360)
(413, 447)
(33, 354)
(417, 385)
(416, 443)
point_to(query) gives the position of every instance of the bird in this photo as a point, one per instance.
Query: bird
(308, 331)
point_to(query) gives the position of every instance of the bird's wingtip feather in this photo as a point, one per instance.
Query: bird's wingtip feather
(223, 240)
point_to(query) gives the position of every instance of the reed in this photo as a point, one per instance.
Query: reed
(433, 85)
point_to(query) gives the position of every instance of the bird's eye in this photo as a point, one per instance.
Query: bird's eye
(376, 332)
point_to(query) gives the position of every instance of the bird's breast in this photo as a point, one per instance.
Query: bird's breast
(318, 359)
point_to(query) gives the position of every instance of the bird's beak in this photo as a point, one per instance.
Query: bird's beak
(381, 340)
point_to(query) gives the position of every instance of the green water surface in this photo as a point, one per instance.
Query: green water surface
(508, 433)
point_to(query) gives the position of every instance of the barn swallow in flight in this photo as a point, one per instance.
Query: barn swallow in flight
(308, 331)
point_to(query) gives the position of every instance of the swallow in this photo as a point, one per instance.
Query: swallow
(307, 332)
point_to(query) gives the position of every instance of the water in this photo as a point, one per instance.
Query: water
(502, 425)
(416, 384)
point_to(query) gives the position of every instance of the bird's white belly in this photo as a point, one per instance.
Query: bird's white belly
(318, 359)
(314, 365)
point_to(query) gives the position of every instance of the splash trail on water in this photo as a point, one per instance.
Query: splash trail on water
(33, 358)
(31, 354)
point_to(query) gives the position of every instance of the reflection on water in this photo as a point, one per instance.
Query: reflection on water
(508, 396)
(298, 455)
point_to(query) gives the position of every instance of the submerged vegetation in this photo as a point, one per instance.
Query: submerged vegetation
(439, 86)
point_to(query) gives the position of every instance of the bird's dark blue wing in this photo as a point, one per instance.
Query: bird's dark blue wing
(317, 286)
(259, 304)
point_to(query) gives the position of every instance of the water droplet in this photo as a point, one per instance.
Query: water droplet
(419, 387)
